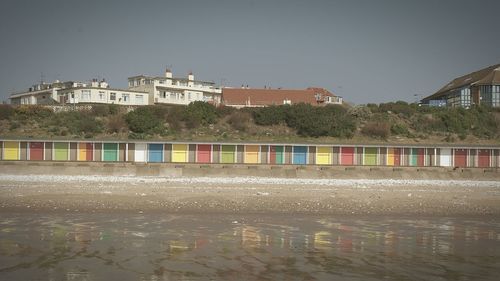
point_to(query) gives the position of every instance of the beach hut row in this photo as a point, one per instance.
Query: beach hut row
(242, 153)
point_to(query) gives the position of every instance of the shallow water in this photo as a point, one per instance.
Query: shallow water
(254, 247)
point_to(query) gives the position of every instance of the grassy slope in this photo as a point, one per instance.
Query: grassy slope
(18, 126)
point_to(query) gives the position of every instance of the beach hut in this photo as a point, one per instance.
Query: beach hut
(203, 153)
(413, 157)
(140, 152)
(228, 154)
(48, 151)
(347, 156)
(370, 156)
(324, 155)
(110, 152)
(445, 157)
(394, 156)
(460, 157)
(167, 152)
(11, 150)
(252, 154)
(216, 153)
(73, 151)
(299, 155)
(180, 153)
(264, 154)
(61, 151)
(85, 151)
(276, 154)
(130, 152)
(483, 158)
(382, 156)
(36, 151)
(155, 152)
(23, 150)
(192, 153)
(421, 157)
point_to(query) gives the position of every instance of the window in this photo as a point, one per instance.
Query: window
(139, 99)
(163, 94)
(101, 95)
(85, 95)
(112, 96)
(126, 97)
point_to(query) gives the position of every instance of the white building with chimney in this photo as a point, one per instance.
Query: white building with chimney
(70, 92)
(171, 90)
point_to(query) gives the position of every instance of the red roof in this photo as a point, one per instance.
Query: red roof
(266, 97)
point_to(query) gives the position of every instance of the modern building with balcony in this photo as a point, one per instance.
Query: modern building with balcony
(481, 87)
(171, 90)
(60, 93)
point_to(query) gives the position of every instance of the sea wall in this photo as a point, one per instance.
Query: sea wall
(244, 170)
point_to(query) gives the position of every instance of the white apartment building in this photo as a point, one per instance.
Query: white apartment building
(170, 90)
(78, 92)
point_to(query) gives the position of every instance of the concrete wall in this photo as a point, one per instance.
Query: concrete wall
(283, 171)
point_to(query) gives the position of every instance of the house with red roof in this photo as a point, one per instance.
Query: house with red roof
(248, 97)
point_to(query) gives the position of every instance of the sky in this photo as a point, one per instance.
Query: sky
(367, 51)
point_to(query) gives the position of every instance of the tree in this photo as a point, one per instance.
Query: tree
(199, 113)
(143, 121)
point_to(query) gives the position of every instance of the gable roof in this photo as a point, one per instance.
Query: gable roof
(485, 76)
(263, 97)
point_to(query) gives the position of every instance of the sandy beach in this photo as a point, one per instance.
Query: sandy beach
(247, 195)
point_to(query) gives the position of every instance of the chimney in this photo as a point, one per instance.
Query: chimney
(190, 76)
(168, 73)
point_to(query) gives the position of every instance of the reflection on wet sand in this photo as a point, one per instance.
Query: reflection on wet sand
(163, 247)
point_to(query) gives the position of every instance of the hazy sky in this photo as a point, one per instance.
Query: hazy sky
(363, 50)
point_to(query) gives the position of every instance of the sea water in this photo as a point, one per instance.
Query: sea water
(131, 246)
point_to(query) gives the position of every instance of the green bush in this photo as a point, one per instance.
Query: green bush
(272, 115)
(199, 113)
(116, 124)
(399, 129)
(376, 130)
(100, 110)
(161, 111)
(175, 117)
(485, 125)
(399, 107)
(6, 111)
(143, 121)
(225, 110)
(77, 123)
(315, 121)
(239, 120)
(33, 112)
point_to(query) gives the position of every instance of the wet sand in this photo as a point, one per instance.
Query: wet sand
(248, 195)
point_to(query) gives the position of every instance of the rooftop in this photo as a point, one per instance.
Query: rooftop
(486, 76)
(262, 97)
